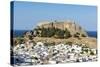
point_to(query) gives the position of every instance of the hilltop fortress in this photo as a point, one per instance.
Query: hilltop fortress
(71, 26)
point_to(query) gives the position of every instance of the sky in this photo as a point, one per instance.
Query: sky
(28, 14)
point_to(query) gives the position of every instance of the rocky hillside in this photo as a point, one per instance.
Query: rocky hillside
(57, 32)
(89, 41)
(71, 26)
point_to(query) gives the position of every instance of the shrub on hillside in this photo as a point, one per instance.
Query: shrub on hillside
(67, 34)
(59, 33)
(53, 32)
(69, 43)
(83, 35)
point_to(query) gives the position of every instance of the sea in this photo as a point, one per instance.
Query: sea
(21, 32)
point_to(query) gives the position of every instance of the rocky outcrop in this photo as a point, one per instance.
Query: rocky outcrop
(69, 25)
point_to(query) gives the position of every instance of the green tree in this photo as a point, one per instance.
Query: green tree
(59, 33)
(51, 32)
(92, 53)
(20, 40)
(44, 32)
(47, 32)
(76, 35)
(83, 35)
(30, 37)
(67, 34)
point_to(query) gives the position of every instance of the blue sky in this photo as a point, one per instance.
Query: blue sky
(28, 14)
